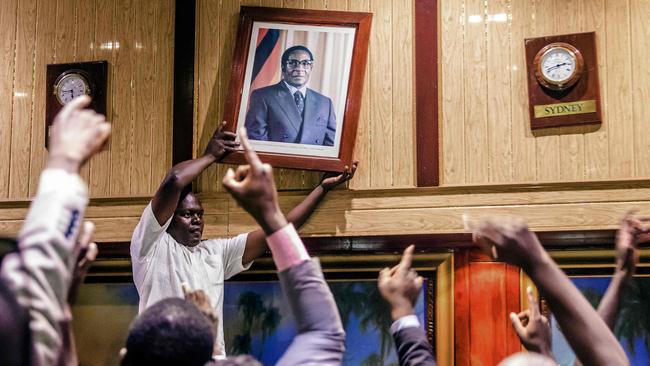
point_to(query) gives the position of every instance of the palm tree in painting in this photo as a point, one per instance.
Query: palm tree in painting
(349, 299)
(634, 317)
(258, 317)
(377, 315)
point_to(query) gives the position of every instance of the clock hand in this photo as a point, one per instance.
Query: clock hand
(556, 66)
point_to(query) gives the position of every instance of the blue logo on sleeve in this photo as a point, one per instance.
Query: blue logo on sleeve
(73, 223)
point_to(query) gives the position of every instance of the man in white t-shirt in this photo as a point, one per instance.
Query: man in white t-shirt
(166, 247)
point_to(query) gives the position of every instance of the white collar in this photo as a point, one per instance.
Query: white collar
(293, 89)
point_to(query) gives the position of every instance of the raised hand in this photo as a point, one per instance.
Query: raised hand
(400, 286)
(532, 327)
(632, 231)
(221, 143)
(332, 180)
(252, 186)
(76, 135)
(508, 239)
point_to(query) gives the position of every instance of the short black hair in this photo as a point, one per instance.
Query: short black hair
(170, 332)
(290, 50)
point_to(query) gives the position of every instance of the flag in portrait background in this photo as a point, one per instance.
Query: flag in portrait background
(266, 66)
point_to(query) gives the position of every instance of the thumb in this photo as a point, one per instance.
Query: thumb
(519, 327)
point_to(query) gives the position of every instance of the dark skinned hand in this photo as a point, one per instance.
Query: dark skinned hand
(332, 179)
(221, 143)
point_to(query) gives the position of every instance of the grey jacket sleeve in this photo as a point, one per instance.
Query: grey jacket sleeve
(40, 272)
(413, 348)
(321, 338)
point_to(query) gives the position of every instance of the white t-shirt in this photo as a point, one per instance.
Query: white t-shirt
(161, 265)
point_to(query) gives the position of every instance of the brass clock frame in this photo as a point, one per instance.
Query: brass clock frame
(68, 74)
(552, 84)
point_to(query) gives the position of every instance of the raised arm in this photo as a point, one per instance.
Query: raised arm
(400, 286)
(508, 239)
(320, 339)
(256, 240)
(41, 273)
(182, 174)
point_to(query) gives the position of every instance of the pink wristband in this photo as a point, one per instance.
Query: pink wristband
(287, 248)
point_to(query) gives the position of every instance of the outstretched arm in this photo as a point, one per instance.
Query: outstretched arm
(626, 258)
(256, 240)
(41, 272)
(180, 175)
(400, 286)
(320, 339)
(509, 240)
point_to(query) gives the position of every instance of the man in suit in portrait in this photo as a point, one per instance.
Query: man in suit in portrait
(289, 111)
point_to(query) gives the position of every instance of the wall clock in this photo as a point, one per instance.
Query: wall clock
(563, 85)
(68, 81)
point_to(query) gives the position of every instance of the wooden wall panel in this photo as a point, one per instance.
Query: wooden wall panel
(640, 40)
(36, 33)
(596, 144)
(477, 132)
(22, 107)
(475, 98)
(619, 90)
(43, 55)
(100, 172)
(452, 27)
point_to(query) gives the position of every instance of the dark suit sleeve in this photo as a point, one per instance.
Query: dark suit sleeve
(413, 348)
(330, 133)
(256, 118)
(321, 338)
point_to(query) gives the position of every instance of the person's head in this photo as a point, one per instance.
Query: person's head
(187, 223)
(527, 359)
(170, 332)
(297, 62)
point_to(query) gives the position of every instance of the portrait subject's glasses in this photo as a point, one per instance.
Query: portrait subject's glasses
(307, 64)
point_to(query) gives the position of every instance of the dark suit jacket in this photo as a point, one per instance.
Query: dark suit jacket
(273, 116)
(413, 347)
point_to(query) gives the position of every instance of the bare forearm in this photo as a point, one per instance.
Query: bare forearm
(608, 307)
(185, 172)
(301, 213)
(588, 335)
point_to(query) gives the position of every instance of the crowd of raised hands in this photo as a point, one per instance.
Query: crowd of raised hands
(40, 280)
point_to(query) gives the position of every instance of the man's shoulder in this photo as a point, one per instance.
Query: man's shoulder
(267, 90)
(321, 98)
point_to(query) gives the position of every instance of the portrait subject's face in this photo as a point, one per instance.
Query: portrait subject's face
(297, 68)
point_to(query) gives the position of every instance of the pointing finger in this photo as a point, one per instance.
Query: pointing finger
(251, 156)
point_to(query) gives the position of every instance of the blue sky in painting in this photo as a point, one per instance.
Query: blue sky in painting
(359, 344)
(561, 349)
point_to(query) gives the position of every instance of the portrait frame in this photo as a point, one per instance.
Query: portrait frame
(300, 155)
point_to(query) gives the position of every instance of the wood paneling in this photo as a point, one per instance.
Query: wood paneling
(37, 33)
(485, 129)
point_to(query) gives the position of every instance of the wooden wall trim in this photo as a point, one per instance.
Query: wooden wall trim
(183, 124)
(426, 92)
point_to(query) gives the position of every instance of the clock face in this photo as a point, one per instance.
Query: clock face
(71, 86)
(558, 65)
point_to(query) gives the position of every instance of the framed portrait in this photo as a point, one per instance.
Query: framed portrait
(296, 85)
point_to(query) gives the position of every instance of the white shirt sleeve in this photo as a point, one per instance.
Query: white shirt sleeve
(408, 321)
(146, 234)
(233, 251)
